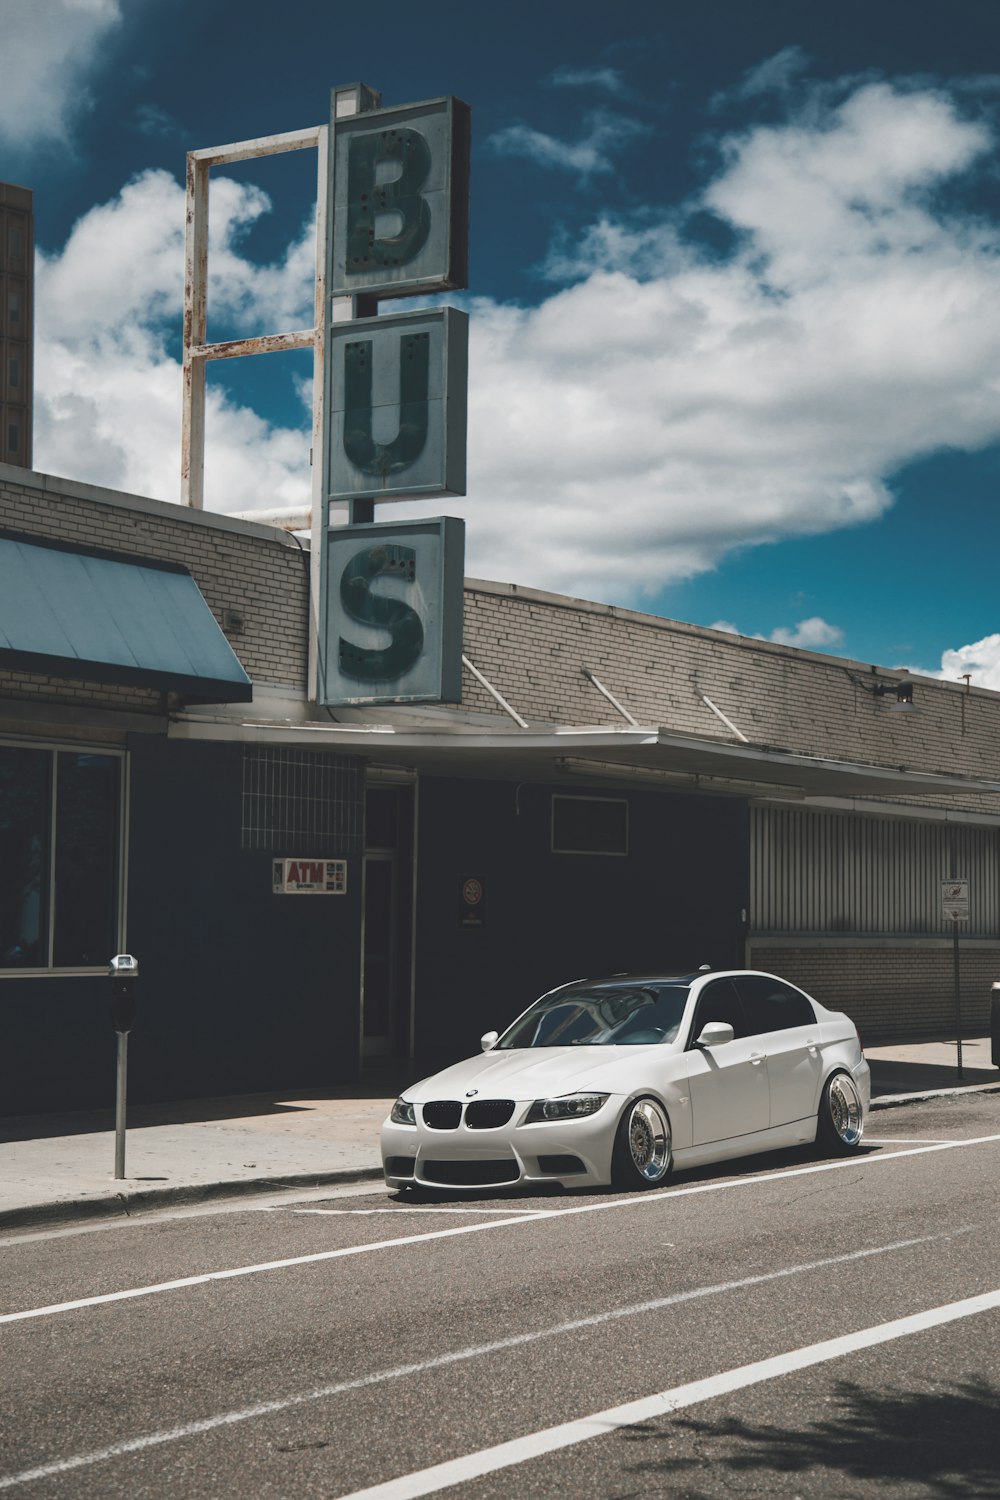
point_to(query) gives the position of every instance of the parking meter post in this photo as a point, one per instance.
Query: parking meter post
(120, 1094)
(124, 971)
(958, 999)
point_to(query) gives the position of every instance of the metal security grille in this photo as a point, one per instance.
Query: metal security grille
(302, 801)
(833, 872)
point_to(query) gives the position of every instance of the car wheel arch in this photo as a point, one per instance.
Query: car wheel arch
(827, 1131)
(626, 1174)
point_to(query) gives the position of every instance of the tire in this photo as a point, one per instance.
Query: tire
(841, 1120)
(643, 1151)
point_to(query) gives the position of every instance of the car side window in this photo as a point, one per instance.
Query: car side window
(772, 1005)
(719, 1001)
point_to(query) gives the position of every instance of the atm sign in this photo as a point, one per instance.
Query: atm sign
(309, 877)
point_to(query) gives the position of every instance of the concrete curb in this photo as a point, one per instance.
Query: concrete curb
(892, 1101)
(145, 1199)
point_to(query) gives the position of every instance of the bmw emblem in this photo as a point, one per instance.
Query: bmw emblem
(470, 1092)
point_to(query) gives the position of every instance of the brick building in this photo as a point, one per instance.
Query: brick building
(620, 791)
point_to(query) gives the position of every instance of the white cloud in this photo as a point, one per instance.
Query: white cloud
(108, 390)
(48, 48)
(808, 635)
(609, 79)
(667, 406)
(981, 660)
(775, 74)
(593, 153)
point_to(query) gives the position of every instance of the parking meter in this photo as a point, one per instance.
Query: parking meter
(124, 971)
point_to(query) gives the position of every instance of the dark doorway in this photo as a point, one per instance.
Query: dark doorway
(388, 931)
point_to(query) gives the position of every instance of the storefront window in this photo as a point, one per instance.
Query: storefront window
(25, 777)
(86, 859)
(59, 821)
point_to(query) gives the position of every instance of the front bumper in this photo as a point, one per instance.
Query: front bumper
(576, 1153)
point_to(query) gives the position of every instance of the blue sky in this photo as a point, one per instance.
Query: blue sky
(734, 285)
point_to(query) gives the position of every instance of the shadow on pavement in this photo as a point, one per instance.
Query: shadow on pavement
(940, 1444)
(889, 1077)
(185, 1112)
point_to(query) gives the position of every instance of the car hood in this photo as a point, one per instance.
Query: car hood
(538, 1073)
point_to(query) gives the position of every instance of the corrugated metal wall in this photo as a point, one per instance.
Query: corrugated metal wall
(818, 872)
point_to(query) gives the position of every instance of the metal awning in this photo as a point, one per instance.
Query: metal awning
(83, 613)
(643, 756)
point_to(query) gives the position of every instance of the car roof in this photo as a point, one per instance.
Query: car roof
(630, 981)
(626, 981)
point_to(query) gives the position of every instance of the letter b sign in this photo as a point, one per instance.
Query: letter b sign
(399, 200)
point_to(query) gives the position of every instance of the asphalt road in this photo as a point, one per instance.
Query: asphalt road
(793, 1326)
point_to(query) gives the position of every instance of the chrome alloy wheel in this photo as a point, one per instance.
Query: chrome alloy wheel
(649, 1140)
(846, 1114)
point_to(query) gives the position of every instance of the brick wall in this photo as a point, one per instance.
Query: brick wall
(258, 571)
(892, 994)
(532, 647)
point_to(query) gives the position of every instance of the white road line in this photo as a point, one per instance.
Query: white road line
(505, 1455)
(907, 1140)
(270, 1408)
(532, 1213)
(636, 1200)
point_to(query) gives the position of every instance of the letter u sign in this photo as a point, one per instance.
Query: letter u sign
(397, 415)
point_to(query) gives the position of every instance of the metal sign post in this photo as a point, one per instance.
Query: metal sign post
(955, 908)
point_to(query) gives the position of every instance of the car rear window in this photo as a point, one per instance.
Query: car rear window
(772, 1005)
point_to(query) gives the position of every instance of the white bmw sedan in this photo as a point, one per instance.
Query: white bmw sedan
(616, 1081)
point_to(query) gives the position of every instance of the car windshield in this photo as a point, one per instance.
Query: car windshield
(607, 1015)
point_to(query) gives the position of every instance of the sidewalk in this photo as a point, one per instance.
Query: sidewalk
(60, 1167)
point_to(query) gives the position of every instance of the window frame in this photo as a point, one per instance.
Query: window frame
(587, 853)
(77, 747)
(698, 1025)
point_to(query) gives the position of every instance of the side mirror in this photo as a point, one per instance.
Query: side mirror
(489, 1041)
(715, 1034)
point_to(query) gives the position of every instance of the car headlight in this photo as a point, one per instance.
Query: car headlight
(569, 1107)
(403, 1113)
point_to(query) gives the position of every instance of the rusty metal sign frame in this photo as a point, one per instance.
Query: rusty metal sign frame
(349, 100)
(197, 352)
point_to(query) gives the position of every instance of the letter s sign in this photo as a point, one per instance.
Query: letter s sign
(391, 613)
(389, 663)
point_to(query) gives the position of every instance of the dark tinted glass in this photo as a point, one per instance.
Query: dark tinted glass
(24, 856)
(86, 901)
(773, 1006)
(720, 1002)
(607, 1015)
(589, 825)
(381, 809)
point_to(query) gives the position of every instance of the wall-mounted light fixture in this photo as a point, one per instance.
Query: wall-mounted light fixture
(900, 694)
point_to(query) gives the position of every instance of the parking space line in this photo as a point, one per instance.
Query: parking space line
(533, 1213)
(634, 1201)
(910, 1140)
(513, 1341)
(536, 1444)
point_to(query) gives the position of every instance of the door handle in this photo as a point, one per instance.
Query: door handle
(812, 1043)
(757, 1057)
